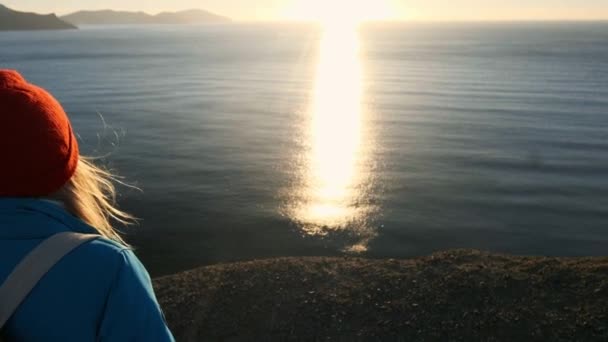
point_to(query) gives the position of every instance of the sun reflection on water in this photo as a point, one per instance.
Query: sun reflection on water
(333, 177)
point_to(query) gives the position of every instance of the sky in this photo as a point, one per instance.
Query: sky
(360, 9)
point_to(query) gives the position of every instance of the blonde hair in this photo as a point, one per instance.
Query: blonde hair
(91, 196)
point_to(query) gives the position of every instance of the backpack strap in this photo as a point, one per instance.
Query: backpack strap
(33, 267)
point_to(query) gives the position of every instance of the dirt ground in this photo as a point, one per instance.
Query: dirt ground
(458, 295)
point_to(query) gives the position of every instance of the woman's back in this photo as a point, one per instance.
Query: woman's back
(100, 291)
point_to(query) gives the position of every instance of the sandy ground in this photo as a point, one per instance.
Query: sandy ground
(450, 296)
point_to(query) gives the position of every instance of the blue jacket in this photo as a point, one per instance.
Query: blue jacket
(98, 292)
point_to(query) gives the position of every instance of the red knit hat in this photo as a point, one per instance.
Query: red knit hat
(39, 150)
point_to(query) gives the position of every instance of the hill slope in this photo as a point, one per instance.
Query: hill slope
(109, 17)
(15, 20)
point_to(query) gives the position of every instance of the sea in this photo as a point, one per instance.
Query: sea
(259, 140)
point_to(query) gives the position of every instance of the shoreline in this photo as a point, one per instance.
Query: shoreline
(458, 295)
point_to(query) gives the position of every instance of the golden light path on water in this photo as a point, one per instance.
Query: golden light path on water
(333, 177)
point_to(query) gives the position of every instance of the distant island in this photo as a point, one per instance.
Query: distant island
(109, 17)
(11, 20)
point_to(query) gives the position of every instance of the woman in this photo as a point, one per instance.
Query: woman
(99, 291)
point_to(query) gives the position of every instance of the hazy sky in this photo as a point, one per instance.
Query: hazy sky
(303, 9)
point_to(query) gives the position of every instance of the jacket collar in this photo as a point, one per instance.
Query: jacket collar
(29, 218)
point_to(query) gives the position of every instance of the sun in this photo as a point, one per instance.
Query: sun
(340, 13)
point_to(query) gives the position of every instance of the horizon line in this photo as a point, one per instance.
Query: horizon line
(287, 20)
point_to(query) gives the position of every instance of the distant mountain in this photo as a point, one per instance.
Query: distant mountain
(106, 17)
(109, 17)
(13, 20)
(194, 16)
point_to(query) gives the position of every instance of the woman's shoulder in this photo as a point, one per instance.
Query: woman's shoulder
(108, 260)
(106, 252)
(107, 246)
(100, 266)
(101, 259)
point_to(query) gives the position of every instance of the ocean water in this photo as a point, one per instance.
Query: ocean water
(261, 140)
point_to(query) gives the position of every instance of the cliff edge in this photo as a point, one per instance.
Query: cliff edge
(458, 295)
